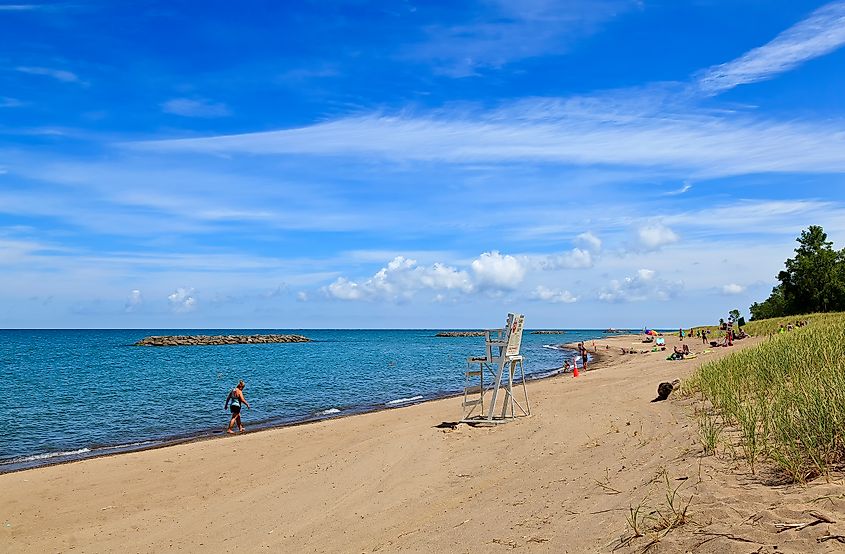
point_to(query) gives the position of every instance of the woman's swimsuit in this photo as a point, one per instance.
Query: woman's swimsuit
(235, 404)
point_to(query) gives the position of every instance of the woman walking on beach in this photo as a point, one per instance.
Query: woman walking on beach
(234, 402)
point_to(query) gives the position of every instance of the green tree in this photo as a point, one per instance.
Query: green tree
(812, 281)
(733, 315)
(773, 306)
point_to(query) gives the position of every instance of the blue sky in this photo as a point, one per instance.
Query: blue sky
(402, 164)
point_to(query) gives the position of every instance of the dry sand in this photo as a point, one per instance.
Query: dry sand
(561, 480)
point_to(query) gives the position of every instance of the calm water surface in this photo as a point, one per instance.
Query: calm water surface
(87, 392)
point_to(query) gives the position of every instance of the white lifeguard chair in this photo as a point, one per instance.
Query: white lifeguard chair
(501, 356)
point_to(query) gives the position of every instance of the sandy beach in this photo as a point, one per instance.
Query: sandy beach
(561, 480)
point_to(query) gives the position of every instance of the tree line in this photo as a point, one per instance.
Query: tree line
(813, 281)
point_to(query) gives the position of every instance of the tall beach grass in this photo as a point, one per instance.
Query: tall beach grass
(786, 396)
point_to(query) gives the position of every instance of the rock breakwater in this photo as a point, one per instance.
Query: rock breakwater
(208, 340)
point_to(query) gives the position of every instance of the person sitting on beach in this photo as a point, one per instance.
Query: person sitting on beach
(677, 354)
(566, 366)
(233, 403)
(686, 350)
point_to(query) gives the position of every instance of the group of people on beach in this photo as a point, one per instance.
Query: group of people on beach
(582, 353)
(789, 326)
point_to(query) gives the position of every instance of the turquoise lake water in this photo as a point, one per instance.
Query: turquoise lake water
(79, 393)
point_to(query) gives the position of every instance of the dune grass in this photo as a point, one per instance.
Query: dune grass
(762, 327)
(784, 397)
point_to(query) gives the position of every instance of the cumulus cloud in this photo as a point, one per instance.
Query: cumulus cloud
(302, 296)
(497, 271)
(644, 285)
(400, 280)
(652, 237)
(134, 300)
(576, 258)
(551, 295)
(182, 300)
(732, 288)
(588, 241)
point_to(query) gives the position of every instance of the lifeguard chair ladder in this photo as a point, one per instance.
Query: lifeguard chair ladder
(502, 354)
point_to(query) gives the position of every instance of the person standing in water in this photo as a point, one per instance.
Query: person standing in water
(582, 350)
(234, 402)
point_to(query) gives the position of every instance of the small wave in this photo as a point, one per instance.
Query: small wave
(45, 456)
(330, 411)
(129, 445)
(403, 400)
(555, 347)
(545, 373)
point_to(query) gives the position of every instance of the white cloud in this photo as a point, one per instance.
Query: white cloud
(821, 33)
(192, 107)
(182, 300)
(656, 235)
(681, 190)
(645, 275)
(555, 296)
(344, 289)
(134, 300)
(20, 7)
(507, 31)
(732, 288)
(302, 296)
(588, 241)
(643, 286)
(400, 280)
(688, 143)
(496, 271)
(573, 259)
(58, 74)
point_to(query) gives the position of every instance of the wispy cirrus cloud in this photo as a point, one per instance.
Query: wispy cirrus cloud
(684, 143)
(653, 126)
(821, 33)
(6, 102)
(195, 107)
(62, 75)
(502, 31)
(19, 7)
(685, 188)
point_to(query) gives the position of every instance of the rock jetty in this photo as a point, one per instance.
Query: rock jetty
(460, 334)
(207, 340)
(550, 332)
